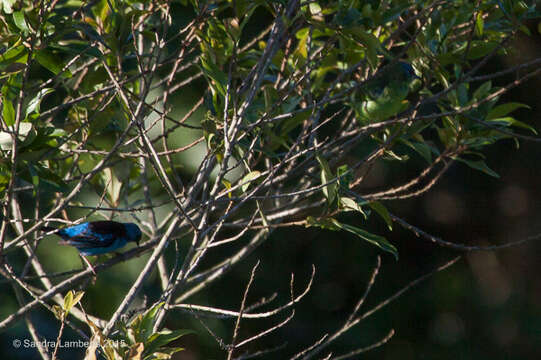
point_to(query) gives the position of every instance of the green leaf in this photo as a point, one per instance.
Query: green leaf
(8, 112)
(315, 8)
(421, 148)
(479, 24)
(113, 185)
(47, 180)
(383, 212)
(71, 299)
(247, 180)
(147, 321)
(374, 239)
(345, 177)
(301, 51)
(348, 204)
(334, 225)
(480, 48)
(164, 354)
(157, 340)
(479, 165)
(13, 54)
(33, 105)
(462, 94)
(504, 109)
(373, 47)
(78, 47)
(227, 185)
(7, 5)
(20, 21)
(325, 223)
(510, 121)
(212, 71)
(51, 62)
(77, 297)
(68, 300)
(331, 189)
(482, 91)
(52, 187)
(391, 155)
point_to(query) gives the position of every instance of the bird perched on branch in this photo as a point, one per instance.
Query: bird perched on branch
(386, 93)
(97, 237)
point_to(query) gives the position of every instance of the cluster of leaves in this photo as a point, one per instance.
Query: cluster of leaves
(136, 339)
(301, 98)
(54, 98)
(340, 53)
(352, 39)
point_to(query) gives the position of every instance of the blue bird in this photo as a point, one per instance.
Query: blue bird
(97, 237)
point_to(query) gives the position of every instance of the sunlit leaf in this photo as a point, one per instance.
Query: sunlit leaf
(479, 24)
(348, 204)
(330, 190)
(35, 102)
(20, 22)
(247, 180)
(113, 185)
(7, 5)
(8, 112)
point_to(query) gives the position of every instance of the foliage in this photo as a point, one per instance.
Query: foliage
(215, 122)
(137, 340)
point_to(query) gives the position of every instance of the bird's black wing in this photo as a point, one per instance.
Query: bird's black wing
(106, 227)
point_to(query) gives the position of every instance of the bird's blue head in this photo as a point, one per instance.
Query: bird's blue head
(133, 232)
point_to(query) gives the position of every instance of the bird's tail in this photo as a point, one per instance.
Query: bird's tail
(48, 228)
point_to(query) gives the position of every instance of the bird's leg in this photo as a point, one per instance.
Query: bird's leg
(89, 264)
